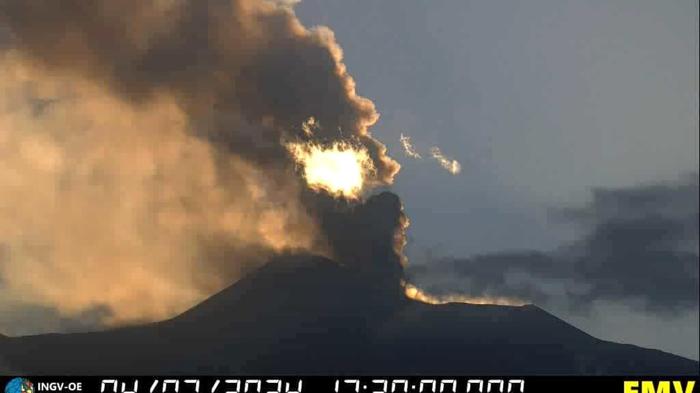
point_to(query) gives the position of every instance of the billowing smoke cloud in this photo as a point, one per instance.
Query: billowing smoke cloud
(370, 236)
(641, 247)
(142, 149)
(246, 73)
(106, 203)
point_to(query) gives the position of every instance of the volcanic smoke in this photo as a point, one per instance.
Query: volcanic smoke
(145, 149)
(153, 152)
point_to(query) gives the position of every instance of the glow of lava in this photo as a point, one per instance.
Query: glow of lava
(415, 293)
(340, 169)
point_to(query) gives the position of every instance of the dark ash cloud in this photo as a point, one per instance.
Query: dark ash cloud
(641, 246)
(370, 236)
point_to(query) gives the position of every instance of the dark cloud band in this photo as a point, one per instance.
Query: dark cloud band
(641, 244)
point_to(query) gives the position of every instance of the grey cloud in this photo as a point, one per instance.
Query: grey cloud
(641, 246)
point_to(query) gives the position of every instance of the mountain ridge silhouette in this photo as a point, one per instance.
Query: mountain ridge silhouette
(304, 314)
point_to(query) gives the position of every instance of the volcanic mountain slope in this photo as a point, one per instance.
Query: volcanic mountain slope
(309, 315)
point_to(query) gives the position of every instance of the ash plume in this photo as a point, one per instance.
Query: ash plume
(245, 72)
(142, 150)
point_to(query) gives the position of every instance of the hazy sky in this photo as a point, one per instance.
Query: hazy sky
(540, 101)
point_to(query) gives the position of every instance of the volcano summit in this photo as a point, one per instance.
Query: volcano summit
(302, 314)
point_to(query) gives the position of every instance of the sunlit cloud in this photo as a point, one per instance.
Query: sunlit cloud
(451, 165)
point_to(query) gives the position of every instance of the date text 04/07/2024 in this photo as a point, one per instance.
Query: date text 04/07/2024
(298, 385)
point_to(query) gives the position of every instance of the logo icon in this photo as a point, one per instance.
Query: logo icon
(19, 385)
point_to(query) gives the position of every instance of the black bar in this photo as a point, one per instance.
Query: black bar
(350, 384)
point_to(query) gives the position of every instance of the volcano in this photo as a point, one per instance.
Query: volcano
(304, 314)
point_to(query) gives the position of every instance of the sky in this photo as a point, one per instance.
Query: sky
(542, 102)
